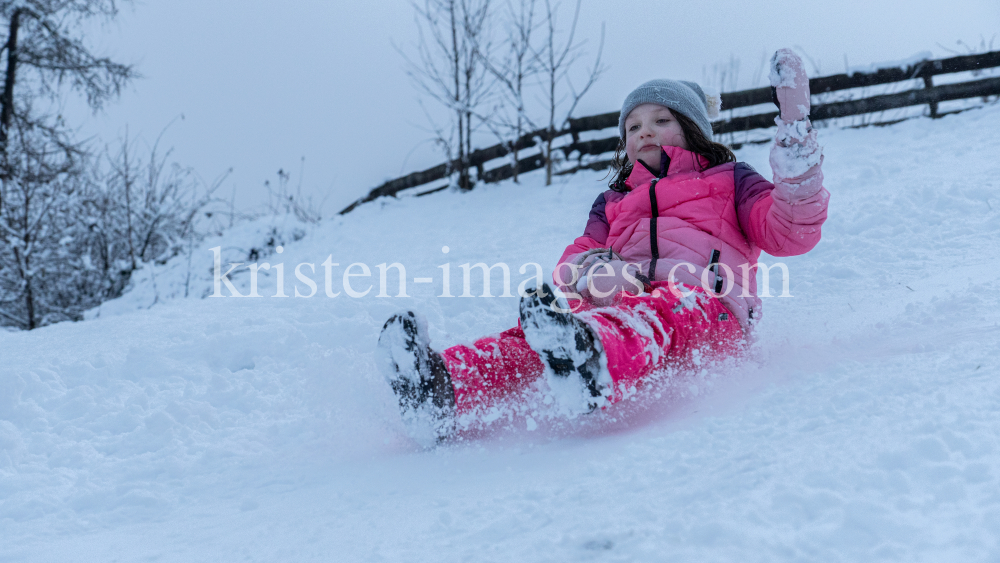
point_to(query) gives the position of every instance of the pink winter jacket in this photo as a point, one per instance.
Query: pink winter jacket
(725, 215)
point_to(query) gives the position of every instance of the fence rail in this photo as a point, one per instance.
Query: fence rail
(929, 95)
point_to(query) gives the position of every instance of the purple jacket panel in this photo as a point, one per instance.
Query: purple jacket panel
(750, 187)
(597, 225)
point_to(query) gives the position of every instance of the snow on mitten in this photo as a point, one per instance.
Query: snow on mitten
(790, 84)
(796, 156)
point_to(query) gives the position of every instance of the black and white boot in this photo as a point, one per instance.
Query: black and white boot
(418, 376)
(567, 347)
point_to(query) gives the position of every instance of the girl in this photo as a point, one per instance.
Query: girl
(663, 276)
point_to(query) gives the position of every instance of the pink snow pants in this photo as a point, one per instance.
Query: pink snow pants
(639, 335)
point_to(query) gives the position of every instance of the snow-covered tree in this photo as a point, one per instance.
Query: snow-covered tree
(43, 171)
(37, 227)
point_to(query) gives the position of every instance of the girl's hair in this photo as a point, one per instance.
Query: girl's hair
(716, 153)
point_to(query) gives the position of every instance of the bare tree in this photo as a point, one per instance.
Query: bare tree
(449, 69)
(156, 203)
(514, 71)
(556, 60)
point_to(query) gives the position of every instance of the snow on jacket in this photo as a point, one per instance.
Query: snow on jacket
(728, 213)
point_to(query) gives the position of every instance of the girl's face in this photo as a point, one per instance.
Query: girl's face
(649, 127)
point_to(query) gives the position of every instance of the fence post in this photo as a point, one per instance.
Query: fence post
(929, 83)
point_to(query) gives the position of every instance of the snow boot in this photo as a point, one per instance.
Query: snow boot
(567, 347)
(418, 376)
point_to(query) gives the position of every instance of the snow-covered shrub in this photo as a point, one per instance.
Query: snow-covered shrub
(75, 227)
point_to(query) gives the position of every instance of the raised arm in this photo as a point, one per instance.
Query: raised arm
(784, 218)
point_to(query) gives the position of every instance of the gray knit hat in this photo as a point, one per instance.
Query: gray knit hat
(678, 95)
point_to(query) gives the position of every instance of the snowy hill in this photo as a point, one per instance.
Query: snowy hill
(222, 429)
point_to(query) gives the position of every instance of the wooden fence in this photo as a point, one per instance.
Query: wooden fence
(929, 95)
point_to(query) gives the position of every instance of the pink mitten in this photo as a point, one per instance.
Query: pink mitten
(791, 85)
(603, 281)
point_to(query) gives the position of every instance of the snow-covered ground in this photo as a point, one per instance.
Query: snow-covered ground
(222, 429)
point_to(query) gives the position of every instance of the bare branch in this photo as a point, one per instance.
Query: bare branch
(557, 59)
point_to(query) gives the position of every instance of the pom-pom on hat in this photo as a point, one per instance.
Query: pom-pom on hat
(678, 95)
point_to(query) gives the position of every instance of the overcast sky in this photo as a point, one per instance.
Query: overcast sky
(262, 84)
